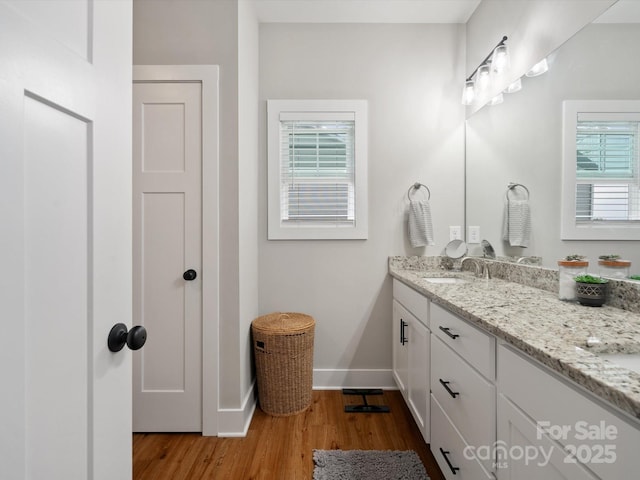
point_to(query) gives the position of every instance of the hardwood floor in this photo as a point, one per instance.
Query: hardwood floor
(280, 448)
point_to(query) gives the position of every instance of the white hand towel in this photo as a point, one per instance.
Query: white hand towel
(420, 227)
(516, 227)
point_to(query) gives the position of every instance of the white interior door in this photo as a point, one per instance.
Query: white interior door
(167, 246)
(65, 69)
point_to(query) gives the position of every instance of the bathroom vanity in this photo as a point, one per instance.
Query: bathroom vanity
(520, 383)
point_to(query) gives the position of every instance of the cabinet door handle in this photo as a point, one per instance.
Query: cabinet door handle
(447, 330)
(446, 387)
(403, 339)
(446, 459)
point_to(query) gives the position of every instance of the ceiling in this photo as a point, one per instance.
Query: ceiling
(365, 11)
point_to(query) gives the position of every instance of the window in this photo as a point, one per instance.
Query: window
(601, 183)
(317, 169)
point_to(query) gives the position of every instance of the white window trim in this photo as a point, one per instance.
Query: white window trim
(277, 231)
(569, 229)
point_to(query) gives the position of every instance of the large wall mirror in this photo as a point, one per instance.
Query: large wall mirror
(521, 141)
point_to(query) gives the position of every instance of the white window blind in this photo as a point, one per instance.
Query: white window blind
(607, 188)
(317, 169)
(600, 170)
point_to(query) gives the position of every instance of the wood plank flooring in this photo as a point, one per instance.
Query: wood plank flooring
(280, 448)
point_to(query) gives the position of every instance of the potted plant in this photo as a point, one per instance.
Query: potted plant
(613, 267)
(590, 290)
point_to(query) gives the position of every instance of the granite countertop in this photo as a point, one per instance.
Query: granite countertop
(564, 336)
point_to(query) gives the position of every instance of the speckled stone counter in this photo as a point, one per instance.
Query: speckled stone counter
(564, 336)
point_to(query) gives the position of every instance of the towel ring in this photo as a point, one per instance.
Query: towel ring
(511, 186)
(416, 186)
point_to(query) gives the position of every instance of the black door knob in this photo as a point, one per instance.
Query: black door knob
(189, 275)
(119, 337)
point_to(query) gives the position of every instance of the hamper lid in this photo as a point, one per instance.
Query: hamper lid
(283, 322)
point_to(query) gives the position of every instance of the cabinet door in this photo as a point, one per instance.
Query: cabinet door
(419, 343)
(400, 347)
(526, 453)
(604, 441)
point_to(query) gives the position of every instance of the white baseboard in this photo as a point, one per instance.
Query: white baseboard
(335, 379)
(234, 422)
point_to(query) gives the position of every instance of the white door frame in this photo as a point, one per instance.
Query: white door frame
(208, 76)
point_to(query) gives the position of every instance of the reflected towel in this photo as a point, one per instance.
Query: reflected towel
(516, 226)
(420, 227)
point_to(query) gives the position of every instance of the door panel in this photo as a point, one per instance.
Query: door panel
(67, 22)
(56, 250)
(163, 149)
(65, 171)
(167, 241)
(163, 361)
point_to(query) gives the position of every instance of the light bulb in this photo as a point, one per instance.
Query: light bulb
(500, 59)
(514, 87)
(538, 69)
(482, 77)
(497, 100)
(468, 93)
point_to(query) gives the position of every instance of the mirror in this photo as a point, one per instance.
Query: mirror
(520, 141)
(455, 249)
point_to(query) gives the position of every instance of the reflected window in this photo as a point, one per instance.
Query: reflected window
(601, 164)
(607, 171)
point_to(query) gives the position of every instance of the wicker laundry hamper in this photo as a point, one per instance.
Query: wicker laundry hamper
(283, 347)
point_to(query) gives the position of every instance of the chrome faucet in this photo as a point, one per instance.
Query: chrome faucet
(526, 260)
(480, 270)
(476, 265)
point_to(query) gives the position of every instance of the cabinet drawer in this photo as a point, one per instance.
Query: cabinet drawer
(448, 447)
(571, 417)
(471, 405)
(413, 301)
(471, 343)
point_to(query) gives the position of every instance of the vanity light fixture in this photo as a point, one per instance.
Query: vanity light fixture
(500, 59)
(495, 63)
(497, 100)
(514, 87)
(483, 78)
(538, 69)
(468, 94)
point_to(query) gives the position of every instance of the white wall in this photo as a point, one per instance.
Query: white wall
(248, 90)
(410, 75)
(521, 140)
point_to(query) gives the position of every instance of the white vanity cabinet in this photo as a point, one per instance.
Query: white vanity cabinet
(411, 348)
(490, 411)
(565, 432)
(462, 396)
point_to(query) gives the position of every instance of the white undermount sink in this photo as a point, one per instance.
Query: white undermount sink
(630, 361)
(445, 280)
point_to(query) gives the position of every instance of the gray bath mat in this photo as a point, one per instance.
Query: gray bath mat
(368, 465)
